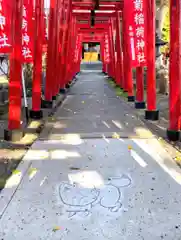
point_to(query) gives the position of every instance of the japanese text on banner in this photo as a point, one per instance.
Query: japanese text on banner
(27, 35)
(5, 16)
(140, 31)
(106, 53)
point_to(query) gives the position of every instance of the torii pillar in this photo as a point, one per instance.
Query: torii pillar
(14, 131)
(173, 132)
(151, 113)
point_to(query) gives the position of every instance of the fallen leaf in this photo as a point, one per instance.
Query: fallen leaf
(129, 147)
(116, 136)
(178, 158)
(32, 171)
(83, 102)
(16, 172)
(56, 228)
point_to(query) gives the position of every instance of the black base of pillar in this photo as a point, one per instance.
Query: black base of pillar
(13, 135)
(131, 98)
(36, 114)
(54, 98)
(62, 90)
(68, 85)
(140, 105)
(173, 135)
(46, 104)
(152, 115)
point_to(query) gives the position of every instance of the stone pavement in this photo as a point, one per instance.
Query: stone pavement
(96, 172)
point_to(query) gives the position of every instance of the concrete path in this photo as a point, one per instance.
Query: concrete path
(95, 173)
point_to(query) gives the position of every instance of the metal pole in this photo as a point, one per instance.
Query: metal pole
(25, 97)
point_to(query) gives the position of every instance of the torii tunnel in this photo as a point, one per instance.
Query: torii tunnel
(125, 30)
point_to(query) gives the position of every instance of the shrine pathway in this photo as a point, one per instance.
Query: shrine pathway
(96, 172)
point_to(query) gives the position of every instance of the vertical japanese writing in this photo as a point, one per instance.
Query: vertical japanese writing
(4, 27)
(26, 33)
(132, 42)
(139, 21)
(107, 55)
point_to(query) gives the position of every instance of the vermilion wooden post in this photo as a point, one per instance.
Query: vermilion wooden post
(173, 132)
(55, 49)
(108, 55)
(36, 112)
(112, 48)
(102, 56)
(64, 58)
(14, 118)
(70, 51)
(139, 104)
(68, 54)
(111, 64)
(119, 51)
(47, 103)
(124, 79)
(127, 64)
(151, 113)
(75, 56)
(60, 46)
(73, 51)
(79, 54)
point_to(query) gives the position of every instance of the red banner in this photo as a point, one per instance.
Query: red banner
(5, 24)
(27, 31)
(135, 21)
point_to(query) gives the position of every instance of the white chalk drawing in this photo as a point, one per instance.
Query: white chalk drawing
(80, 201)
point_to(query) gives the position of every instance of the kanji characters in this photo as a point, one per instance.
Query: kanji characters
(4, 27)
(2, 22)
(139, 18)
(141, 57)
(140, 32)
(138, 5)
(4, 41)
(140, 44)
(24, 12)
(24, 25)
(26, 37)
(26, 52)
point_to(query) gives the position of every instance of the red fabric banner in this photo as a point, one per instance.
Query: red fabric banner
(135, 24)
(27, 31)
(5, 26)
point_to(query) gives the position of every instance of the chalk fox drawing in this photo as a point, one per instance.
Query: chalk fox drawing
(80, 201)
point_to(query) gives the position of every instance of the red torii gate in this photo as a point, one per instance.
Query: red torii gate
(64, 54)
